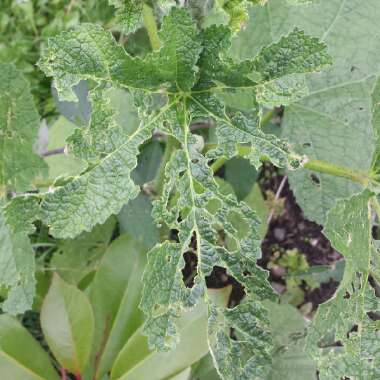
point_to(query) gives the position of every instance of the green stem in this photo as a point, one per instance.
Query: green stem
(151, 26)
(171, 144)
(313, 165)
(217, 164)
(267, 117)
(338, 171)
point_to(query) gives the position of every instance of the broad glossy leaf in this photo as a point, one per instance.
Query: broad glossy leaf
(136, 360)
(21, 357)
(115, 294)
(19, 124)
(67, 322)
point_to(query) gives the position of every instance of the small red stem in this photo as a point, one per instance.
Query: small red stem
(78, 376)
(63, 374)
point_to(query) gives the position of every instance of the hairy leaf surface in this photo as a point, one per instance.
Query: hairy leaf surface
(19, 123)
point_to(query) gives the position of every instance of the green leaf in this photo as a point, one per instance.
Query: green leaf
(62, 164)
(248, 355)
(185, 81)
(21, 357)
(136, 360)
(76, 258)
(101, 59)
(19, 124)
(16, 267)
(115, 294)
(344, 336)
(78, 205)
(295, 53)
(375, 168)
(290, 361)
(67, 322)
(128, 14)
(136, 220)
(240, 175)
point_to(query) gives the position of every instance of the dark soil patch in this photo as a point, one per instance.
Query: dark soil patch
(291, 230)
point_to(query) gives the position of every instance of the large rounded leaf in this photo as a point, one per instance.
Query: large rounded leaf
(67, 321)
(137, 362)
(21, 357)
(333, 122)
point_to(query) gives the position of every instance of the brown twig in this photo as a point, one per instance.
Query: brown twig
(63, 374)
(277, 196)
(53, 152)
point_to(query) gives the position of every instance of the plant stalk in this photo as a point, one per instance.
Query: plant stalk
(171, 144)
(314, 165)
(338, 171)
(151, 26)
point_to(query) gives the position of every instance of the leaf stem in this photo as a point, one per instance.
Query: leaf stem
(338, 171)
(151, 26)
(314, 165)
(267, 117)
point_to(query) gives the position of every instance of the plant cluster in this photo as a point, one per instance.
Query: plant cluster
(204, 89)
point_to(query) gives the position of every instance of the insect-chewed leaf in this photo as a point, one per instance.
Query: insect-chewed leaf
(164, 293)
(190, 78)
(19, 124)
(90, 52)
(99, 192)
(344, 336)
(295, 53)
(246, 356)
(199, 212)
(128, 14)
(102, 136)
